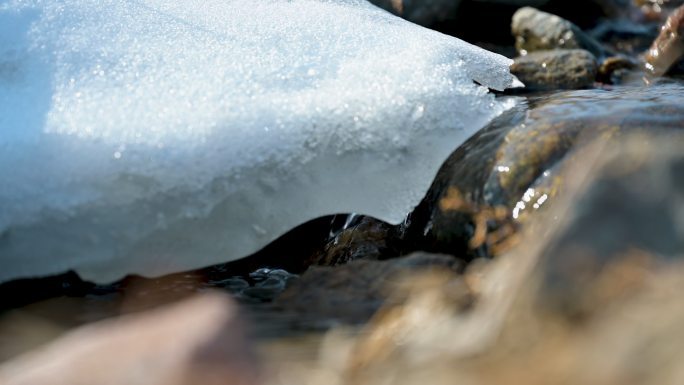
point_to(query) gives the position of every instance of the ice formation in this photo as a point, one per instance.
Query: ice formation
(153, 136)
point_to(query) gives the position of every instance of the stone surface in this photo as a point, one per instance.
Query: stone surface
(556, 69)
(624, 220)
(516, 163)
(199, 341)
(362, 237)
(625, 199)
(535, 30)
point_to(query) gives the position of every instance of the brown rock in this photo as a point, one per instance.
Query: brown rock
(556, 69)
(668, 47)
(535, 30)
(619, 223)
(369, 238)
(198, 341)
(353, 292)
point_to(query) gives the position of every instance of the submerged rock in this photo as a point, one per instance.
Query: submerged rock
(535, 30)
(362, 237)
(556, 69)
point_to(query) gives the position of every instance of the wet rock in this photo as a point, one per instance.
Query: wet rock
(620, 223)
(615, 68)
(360, 237)
(536, 149)
(668, 48)
(556, 69)
(353, 292)
(634, 336)
(424, 12)
(535, 30)
(199, 341)
(516, 164)
(266, 285)
(465, 173)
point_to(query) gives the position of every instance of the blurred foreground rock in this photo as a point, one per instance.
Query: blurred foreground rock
(623, 227)
(613, 242)
(198, 341)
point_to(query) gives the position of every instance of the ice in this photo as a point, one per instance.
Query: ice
(154, 136)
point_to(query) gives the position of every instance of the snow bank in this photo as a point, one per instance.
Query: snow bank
(154, 136)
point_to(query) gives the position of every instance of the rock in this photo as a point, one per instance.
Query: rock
(516, 164)
(353, 292)
(363, 237)
(198, 341)
(634, 337)
(556, 69)
(268, 284)
(626, 221)
(668, 47)
(535, 30)
(613, 69)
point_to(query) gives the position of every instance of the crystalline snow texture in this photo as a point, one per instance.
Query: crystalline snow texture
(155, 136)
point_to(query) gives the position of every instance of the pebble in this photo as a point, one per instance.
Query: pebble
(556, 69)
(535, 30)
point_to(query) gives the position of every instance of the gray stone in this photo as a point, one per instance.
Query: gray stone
(535, 30)
(556, 69)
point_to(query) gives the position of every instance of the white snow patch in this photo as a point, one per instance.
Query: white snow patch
(154, 136)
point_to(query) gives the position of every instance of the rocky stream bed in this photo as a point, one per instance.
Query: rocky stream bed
(548, 248)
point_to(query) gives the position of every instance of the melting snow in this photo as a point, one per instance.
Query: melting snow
(154, 136)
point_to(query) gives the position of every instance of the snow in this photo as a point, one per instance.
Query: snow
(155, 136)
